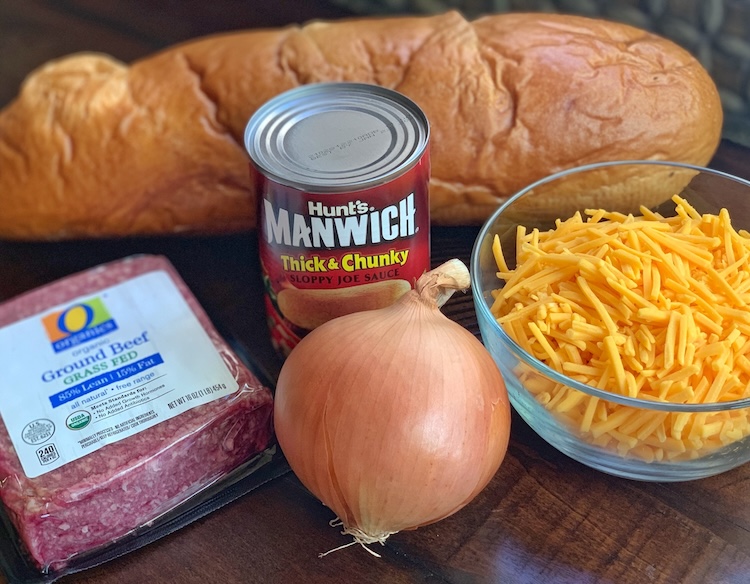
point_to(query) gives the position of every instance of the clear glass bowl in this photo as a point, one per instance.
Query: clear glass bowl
(660, 440)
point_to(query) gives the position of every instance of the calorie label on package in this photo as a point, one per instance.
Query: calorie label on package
(327, 254)
(104, 367)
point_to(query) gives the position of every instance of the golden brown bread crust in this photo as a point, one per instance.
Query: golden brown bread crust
(93, 148)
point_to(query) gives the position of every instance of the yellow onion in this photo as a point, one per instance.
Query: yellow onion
(394, 418)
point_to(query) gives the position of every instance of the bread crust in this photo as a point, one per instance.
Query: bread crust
(93, 147)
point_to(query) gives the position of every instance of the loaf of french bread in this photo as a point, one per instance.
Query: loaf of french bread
(93, 147)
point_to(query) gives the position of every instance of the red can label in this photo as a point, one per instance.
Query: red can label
(326, 255)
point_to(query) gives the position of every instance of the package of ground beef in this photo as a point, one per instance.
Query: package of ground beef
(119, 402)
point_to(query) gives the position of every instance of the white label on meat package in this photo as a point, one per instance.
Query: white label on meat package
(102, 368)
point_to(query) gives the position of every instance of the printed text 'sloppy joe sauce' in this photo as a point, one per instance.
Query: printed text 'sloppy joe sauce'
(341, 174)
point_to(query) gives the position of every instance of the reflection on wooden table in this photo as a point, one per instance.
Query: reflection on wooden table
(543, 518)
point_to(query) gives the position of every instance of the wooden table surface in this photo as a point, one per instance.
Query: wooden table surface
(544, 518)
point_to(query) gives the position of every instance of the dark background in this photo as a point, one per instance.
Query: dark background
(543, 518)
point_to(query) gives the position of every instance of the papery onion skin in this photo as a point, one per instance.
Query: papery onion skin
(394, 418)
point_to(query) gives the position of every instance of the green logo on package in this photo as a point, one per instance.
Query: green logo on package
(78, 420)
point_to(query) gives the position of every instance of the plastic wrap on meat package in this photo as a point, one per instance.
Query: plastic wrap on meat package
(145, 419)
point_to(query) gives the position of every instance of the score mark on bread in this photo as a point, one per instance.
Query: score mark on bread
(95, 148)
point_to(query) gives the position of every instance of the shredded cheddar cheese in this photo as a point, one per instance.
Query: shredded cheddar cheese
(645, 306)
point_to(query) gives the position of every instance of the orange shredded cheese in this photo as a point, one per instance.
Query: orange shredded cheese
(645, 306)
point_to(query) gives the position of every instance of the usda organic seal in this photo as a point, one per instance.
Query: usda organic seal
(78, 420)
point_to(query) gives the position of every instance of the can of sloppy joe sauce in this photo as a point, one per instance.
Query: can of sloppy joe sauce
(341, 174)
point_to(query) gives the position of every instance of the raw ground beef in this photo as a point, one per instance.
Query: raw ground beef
(104, 495)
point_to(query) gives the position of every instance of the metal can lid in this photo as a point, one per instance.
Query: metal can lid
(336, 137)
